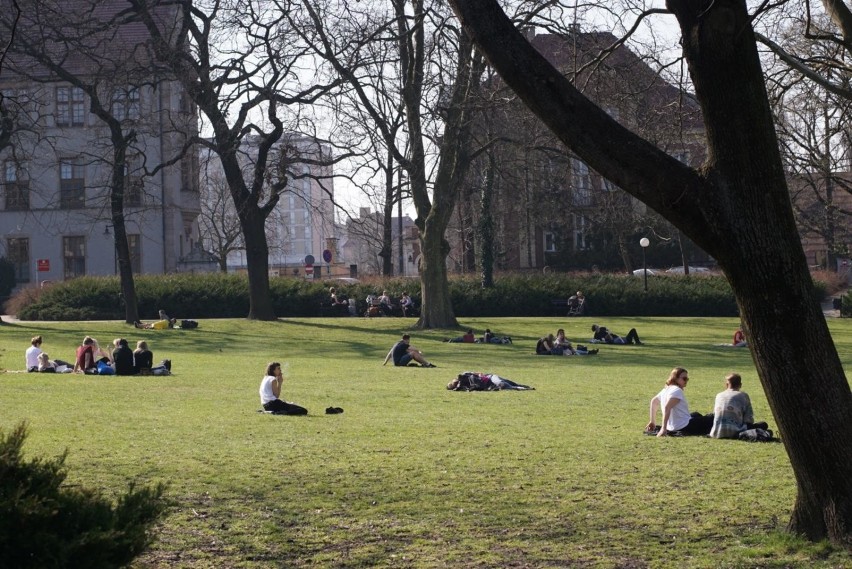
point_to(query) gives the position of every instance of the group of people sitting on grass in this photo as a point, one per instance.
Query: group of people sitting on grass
(91, 358)
(559, 345)
(732, 415)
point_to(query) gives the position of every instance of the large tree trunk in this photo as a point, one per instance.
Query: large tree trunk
(257, 264)
(117, 186)
(737, 207)
(437, 308)
(486, 226)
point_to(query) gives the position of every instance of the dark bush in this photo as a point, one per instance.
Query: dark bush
(219, 295)
(44, 524)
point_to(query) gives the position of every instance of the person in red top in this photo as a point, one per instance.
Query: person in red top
(85, 356)
(739, 339)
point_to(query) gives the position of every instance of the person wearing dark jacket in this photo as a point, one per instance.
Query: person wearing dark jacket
(122, 355)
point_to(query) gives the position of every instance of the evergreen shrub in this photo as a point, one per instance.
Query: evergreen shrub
(217, 295)
(45, 524)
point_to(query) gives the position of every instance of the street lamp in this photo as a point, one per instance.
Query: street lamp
(644, 243)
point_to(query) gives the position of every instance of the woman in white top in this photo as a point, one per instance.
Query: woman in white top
(676, 415)
(270, 391)
(33, 352)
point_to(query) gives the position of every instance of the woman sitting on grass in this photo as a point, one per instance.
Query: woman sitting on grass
(676, 416)
(270, 391)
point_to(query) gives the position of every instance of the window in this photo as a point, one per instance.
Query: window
(74, 256)
(72, 185)
(579, 232)
(17, 190)
(70, 106)
(125, 104)
(133, 187)
(582, 182)
(18, 251)
(134, 242)
(549, 242)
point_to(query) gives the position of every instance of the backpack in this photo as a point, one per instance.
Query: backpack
(756, 435)
(188, 324)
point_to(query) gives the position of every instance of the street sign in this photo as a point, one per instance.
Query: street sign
(309, 269)
(309, 260)
(326, 256)
(43, 265)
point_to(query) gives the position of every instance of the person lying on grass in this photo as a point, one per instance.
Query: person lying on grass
(676, 416)
(270, 393)
(467, 338)
(403, 352)
(475, 381)
(604, 336)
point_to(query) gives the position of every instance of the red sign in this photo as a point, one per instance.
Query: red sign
(43, 265)
(309, 269)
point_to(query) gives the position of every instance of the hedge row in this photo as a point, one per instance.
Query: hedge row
(226, 296)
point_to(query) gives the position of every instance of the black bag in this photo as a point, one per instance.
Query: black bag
(188, 324)
(756, 435)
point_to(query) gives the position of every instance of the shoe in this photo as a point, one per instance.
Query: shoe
(638, 343)
(137, 324)
(762, 425)
(333, 410)
(168, 364)
(593, 352)
(430, 365)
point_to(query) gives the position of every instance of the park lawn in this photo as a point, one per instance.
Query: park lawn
(412, 475)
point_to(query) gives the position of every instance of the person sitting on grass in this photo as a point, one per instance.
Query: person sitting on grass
(739, 339)
(403, 352)
(467, 338)
(676, 416)
(270, 393)
(33, 353)
(602, 335)
(85, 361)
(122, 355)
(46, 365)
(562, 346)
(143, 361)
(163, 323)
(732, 412)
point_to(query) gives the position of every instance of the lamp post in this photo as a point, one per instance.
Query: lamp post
(644, 243)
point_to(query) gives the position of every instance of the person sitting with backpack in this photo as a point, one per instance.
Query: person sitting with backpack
(143, 360)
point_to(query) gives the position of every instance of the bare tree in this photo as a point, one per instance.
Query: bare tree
(242, 64)
(437, 78)
(218, 222)
(736, 207)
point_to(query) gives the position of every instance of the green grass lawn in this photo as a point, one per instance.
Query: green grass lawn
(412, 475)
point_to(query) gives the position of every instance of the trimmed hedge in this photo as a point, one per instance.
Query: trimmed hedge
(219, 295)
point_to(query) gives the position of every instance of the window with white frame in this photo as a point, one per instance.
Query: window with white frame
(15, 187)
(70, 106)
(72, 184)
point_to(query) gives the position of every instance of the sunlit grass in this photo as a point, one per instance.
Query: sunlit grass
(411, 474)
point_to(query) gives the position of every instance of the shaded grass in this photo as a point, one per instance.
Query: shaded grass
(411, 474)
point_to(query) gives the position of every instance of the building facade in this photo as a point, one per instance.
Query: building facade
(362, 241)
(548, 207)
(55, 215)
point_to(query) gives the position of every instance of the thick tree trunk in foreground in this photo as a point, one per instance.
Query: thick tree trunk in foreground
(257, 264)
(437, 308)
(737, 208)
